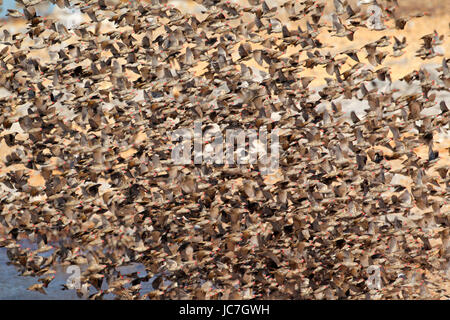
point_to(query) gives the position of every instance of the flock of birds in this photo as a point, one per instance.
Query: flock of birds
(95, 122)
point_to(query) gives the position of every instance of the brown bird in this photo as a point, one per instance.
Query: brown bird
(39, 287)
(134, 153)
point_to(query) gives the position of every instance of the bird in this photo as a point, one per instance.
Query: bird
(39, 287)
(398, 46)
(355, 174)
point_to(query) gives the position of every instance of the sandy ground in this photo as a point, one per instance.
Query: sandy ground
(399, 66)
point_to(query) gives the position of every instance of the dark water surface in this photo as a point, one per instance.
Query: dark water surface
(14, 286)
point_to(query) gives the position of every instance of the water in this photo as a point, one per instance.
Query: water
(14, 286)
(11, 4)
